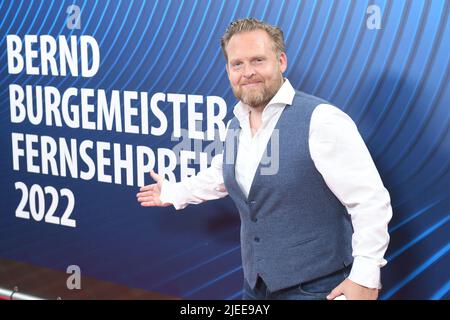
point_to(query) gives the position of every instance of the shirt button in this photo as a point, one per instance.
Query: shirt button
(256, 239)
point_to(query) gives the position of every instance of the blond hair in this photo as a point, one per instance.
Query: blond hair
(251, 24)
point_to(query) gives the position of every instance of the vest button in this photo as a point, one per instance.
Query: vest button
(254, 219)
(256, 239)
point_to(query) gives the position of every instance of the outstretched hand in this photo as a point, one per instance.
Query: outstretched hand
(149, 195)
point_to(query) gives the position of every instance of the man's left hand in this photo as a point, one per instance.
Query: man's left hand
(353, 291)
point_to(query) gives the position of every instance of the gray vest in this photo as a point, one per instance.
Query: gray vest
(293, 228)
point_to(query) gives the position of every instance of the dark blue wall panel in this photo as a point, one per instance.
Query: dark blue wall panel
(393, 81)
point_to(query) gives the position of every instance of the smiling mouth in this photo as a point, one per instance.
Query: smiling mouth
(250, 85)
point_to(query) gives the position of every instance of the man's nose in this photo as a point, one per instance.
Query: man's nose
(248, 71)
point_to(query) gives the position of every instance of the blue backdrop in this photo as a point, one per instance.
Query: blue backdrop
(393, 82)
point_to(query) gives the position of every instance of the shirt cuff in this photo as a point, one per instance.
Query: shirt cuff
(366, 272)
(172, 193)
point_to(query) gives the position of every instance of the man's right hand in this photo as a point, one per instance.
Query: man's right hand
(149, 194)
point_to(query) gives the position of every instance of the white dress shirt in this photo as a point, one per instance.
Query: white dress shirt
(339, 154)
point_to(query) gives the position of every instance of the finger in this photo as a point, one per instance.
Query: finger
(145, 194)
(148, 204)
(148, 187)
(144, 199)
(155, 176)
(335, 293)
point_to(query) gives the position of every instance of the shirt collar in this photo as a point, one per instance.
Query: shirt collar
(284, 97)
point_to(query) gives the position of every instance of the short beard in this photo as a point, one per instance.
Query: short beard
(258, 98)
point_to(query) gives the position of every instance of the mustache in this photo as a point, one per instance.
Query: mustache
(250, 82)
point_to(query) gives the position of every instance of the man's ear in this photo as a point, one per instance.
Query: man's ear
(283, 62)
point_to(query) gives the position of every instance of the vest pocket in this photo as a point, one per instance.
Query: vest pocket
(303, 241)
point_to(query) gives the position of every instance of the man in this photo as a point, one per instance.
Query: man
(317, 229)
